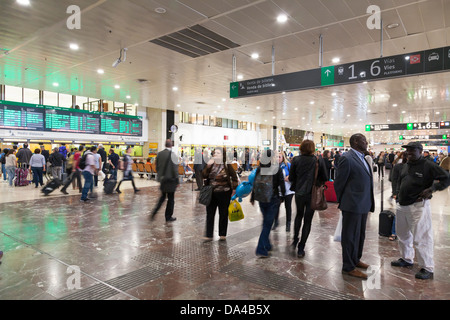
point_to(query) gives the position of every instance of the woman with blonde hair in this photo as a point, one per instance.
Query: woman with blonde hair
(285, 166)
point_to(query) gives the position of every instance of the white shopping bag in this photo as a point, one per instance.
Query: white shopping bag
(338, 232)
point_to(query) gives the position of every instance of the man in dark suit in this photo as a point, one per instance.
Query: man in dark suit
(354, 190)
(167, 170)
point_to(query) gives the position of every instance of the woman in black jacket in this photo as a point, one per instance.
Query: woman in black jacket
(268, 184)
(301, 176)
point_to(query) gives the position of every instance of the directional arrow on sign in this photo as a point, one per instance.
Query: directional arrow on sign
(327, 76)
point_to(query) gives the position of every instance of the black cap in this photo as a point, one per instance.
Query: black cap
(413, 145)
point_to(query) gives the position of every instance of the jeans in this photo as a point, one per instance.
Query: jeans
(4, 171)
(11, 174)
(88, 183)
(268, 210)
(38, 175)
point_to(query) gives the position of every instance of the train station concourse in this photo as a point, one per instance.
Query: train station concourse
(115, 116)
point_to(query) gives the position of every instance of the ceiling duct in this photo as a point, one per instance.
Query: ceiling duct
(195, 41)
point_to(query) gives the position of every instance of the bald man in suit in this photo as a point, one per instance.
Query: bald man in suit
(354, 190)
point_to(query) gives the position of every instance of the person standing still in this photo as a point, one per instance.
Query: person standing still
(167, 168)
(354, 191)
(418, 179)
(222, 177)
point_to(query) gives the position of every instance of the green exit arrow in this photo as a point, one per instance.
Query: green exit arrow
(327, 76)
(234, 89)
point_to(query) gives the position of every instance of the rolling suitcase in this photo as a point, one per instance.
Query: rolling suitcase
(51, 186)
(21, 179)
(386, 218)
(109, 185)
(330, 193)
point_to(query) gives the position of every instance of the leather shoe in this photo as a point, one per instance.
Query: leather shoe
(356, 273)
(171, 219)
(362, 265)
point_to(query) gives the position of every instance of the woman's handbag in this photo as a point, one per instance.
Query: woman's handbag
(205, 195)
(318, 200)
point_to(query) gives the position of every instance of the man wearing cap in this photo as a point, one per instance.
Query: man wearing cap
(413, 220)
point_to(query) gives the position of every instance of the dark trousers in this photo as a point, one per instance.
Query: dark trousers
(352, 239)
(38, 175)
(74, 175)
(288, 207)
(128, 176)
(305, 214)
(170, 204)
(199, 178)
(219, 200)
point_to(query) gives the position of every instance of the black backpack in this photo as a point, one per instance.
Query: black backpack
(263, 187)
(82, 163)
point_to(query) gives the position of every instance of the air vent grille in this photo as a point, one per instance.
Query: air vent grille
(196, 41)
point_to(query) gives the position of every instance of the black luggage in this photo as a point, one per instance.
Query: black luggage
(386, 218)
(51, 186)
(109, 185)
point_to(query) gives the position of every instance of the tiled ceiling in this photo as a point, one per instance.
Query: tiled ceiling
(38, 42)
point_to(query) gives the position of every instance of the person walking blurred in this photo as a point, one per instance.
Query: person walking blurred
(167, 169)
(266, 190)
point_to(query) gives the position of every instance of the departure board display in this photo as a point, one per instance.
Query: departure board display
(16, 116)
(114, 124)
(72, 120)
(23, 116)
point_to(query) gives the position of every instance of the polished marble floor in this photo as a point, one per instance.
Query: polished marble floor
(57, 248)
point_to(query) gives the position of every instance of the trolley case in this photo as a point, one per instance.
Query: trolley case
(109, 185)
(21, 179)
(330, 193)
(386, 217)
(51, 186)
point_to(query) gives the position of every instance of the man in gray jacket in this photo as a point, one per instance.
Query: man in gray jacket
(167, 171)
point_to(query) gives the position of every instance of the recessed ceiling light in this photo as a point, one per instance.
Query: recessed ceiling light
(258, 108)
(178, 105)
(175, 88)
(393, 25)
(334, 94)
(395, 105)
(223, 99)
(24, 2)
(336, 60)
(312, 102)
(282, 18)
(255, 56)
(160, 10)
(240, 77)
(74, 46)
(117, 86)
(100, 71)
(55, 84)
